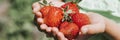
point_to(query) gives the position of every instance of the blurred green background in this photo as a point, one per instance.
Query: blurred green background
(16, 19)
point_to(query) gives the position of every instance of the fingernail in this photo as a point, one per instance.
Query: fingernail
(84, 30)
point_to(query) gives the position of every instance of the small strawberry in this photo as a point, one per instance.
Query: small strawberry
(69, 29)
(54, 17)
(71, 6)
(80, 19)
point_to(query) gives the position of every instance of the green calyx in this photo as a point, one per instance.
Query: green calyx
(45, 3)
(66, 15)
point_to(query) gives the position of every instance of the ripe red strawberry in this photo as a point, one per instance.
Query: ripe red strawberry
(80, 19)
(69, 29)
(71, 6)
(45, 10)
(53, 17)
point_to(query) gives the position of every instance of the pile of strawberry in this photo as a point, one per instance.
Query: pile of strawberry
(67, 18)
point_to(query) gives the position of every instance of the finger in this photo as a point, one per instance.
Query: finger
(80, 33)
(72, 39)
(40, 20)
(43, 26)
(57, 33)
(36, 7)
(61, 36)
(65, 39)
(48, 29)
(92, 29)
(38, 14)
(55, 30)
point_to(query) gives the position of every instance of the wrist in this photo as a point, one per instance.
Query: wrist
(112, 28)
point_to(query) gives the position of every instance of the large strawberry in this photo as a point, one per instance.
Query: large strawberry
(69, 29)
(53, 17)
(71, 6)
(80, 19)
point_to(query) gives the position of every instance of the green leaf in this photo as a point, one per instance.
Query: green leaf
(77, 1)
(41, 3)
(44, 1)
(65, 8)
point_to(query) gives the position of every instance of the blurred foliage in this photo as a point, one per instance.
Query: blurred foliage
(19, 24)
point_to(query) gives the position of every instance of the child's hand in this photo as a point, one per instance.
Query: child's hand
(99, 24)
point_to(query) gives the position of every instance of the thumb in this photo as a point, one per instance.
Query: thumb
(97, 24)
(93, 29)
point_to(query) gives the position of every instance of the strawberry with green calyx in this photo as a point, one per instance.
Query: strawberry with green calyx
(52, 15)
(67, 27)
(71, 6)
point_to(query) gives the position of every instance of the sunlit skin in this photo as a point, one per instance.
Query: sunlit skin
(99, 23)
